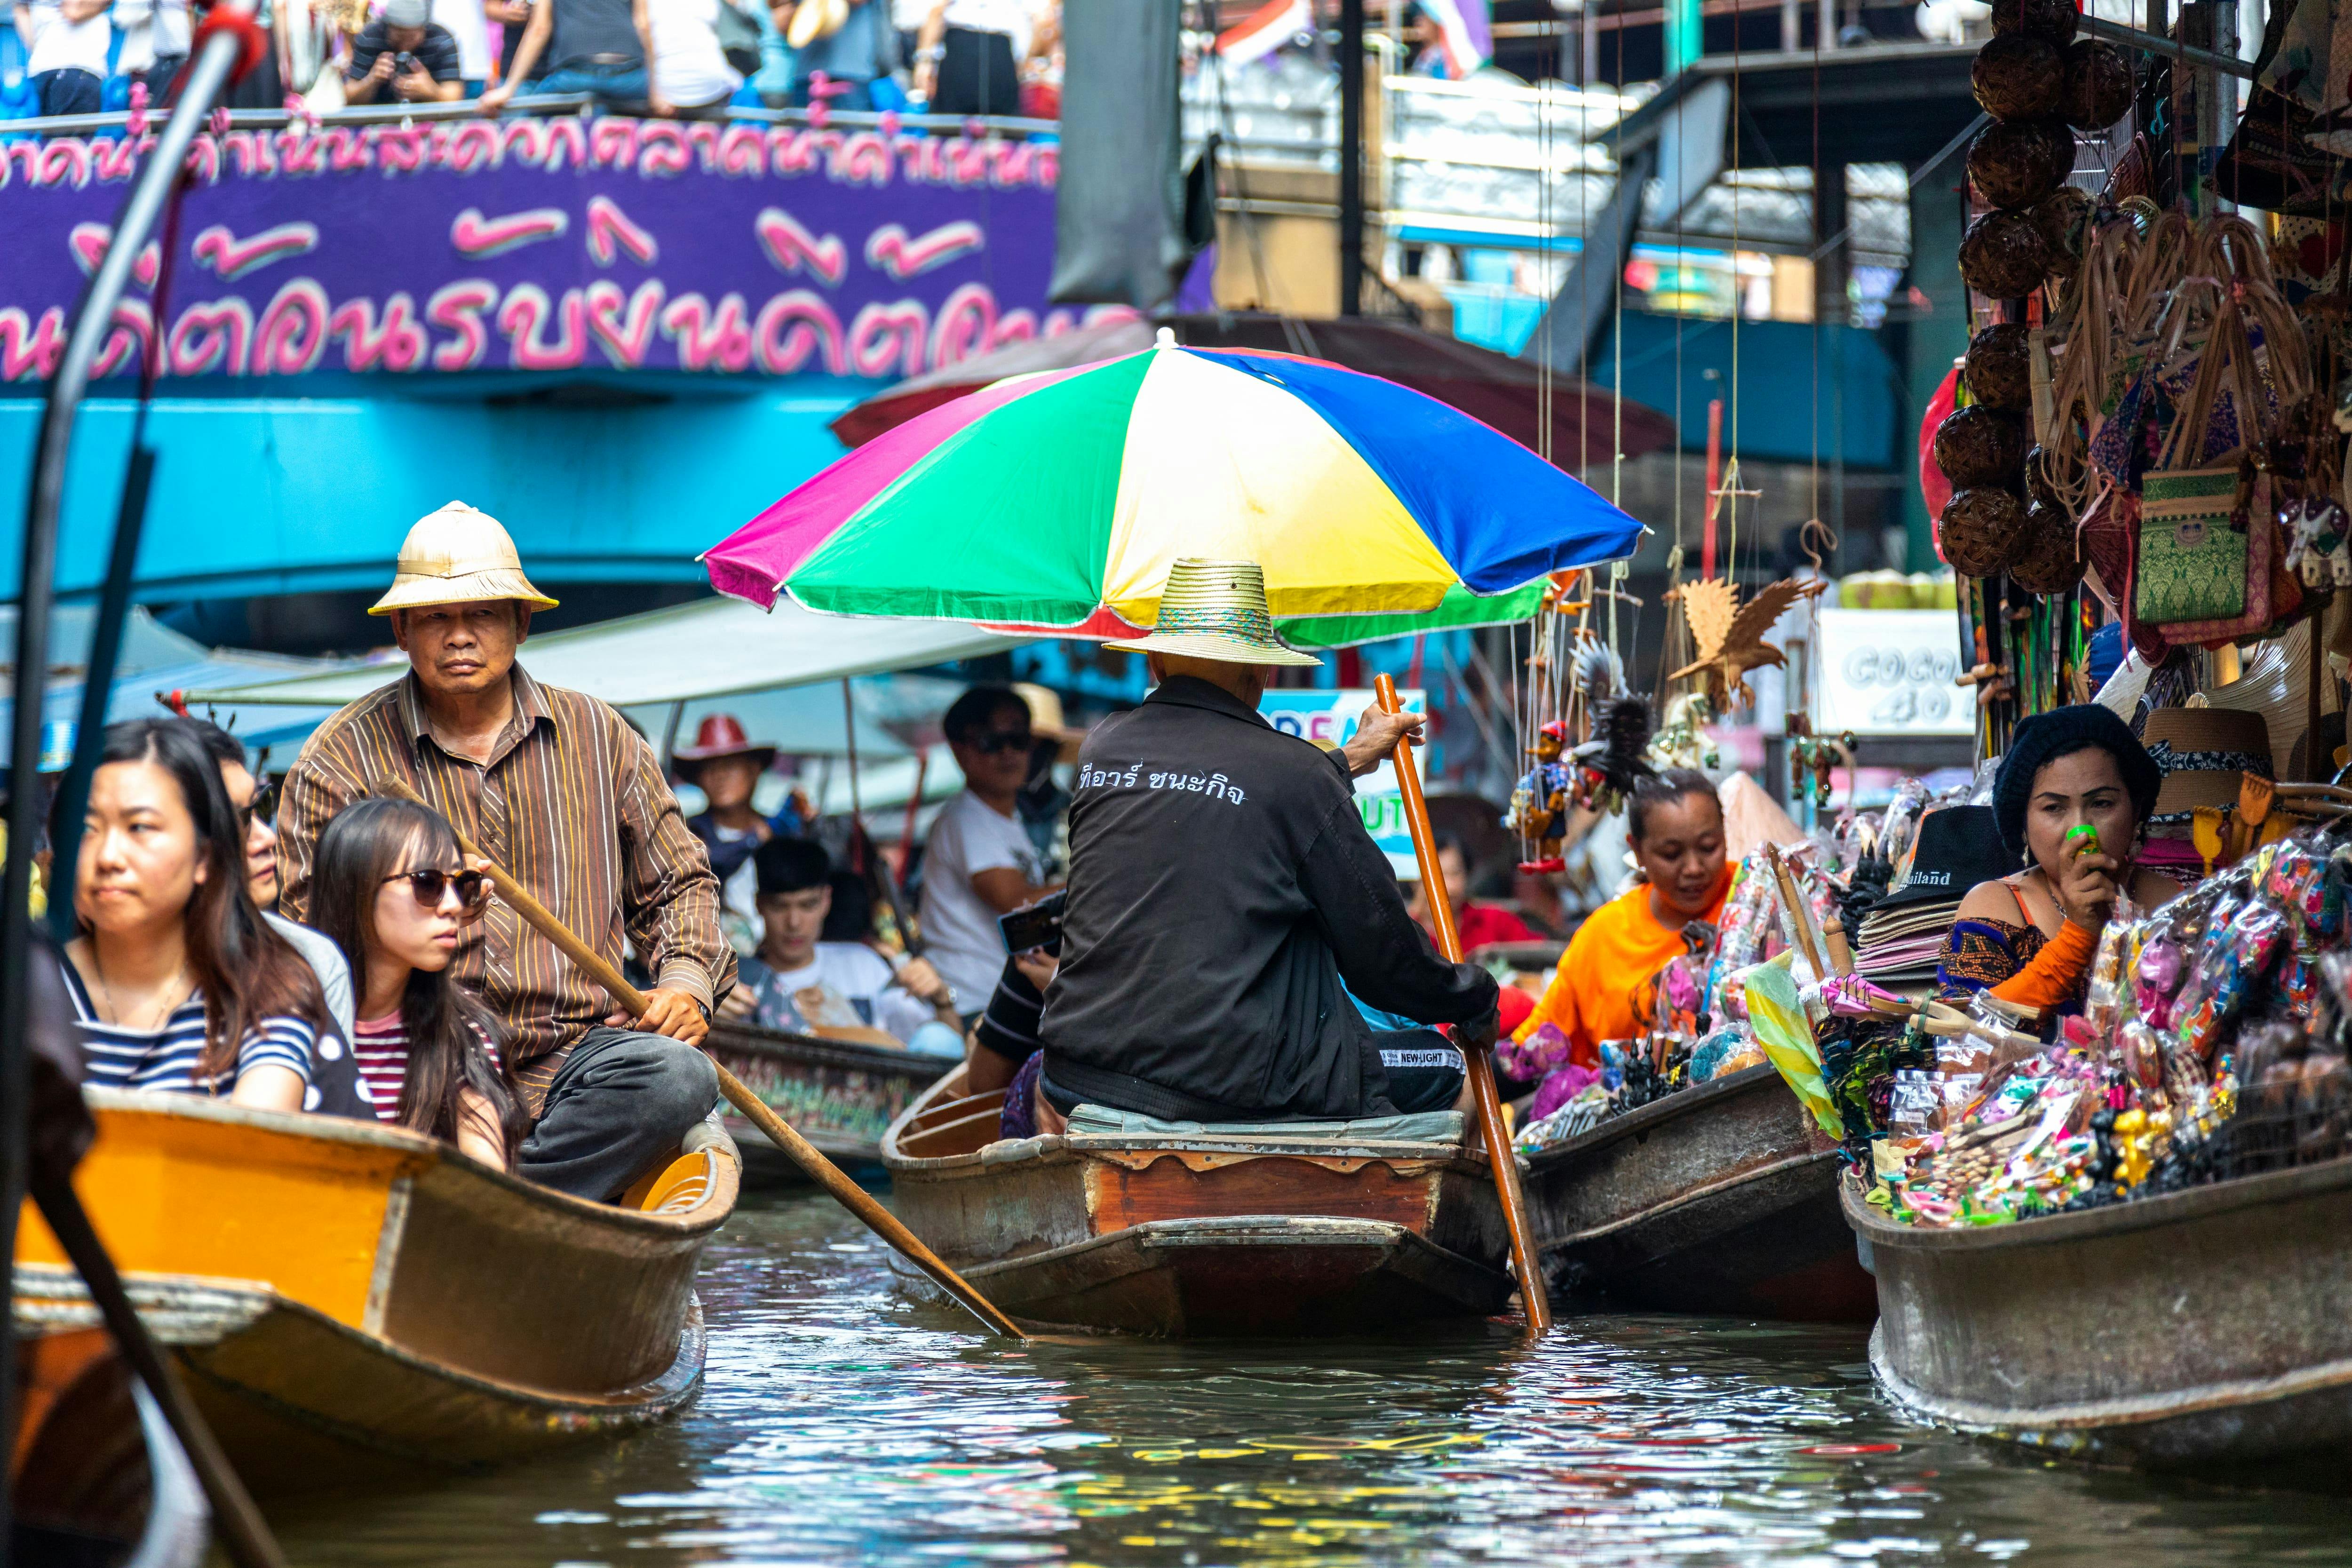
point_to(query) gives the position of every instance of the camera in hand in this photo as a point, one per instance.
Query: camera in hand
(403, 63)
(1035, 926)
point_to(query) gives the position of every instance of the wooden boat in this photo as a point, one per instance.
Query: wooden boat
(1720, 1198)
(353, 1303)
(96, 1475)
(840, 1095)
(2203, 1328)
(1202, 1233)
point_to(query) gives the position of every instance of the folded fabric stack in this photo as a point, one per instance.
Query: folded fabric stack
(1903, 935)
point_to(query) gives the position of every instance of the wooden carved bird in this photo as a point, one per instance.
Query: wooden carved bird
(1729, 635)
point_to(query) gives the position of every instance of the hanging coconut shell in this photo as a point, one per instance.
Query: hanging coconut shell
(2019, 77)
(1982, 531)
(2050, 561)
(1979, 445)
(2004, 256)
(2064, 216)
(2053, 19)
(2013, 162)
(1999, 369)
(2099, 84)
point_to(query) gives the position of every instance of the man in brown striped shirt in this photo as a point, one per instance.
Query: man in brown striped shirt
(556, 788)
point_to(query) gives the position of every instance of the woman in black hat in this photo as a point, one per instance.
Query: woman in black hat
(2030, 935)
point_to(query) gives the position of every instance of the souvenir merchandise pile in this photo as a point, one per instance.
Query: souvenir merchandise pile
(2211, 1046)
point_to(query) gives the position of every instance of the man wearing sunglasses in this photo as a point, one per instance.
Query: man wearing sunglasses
(978, 861)
(556, 788)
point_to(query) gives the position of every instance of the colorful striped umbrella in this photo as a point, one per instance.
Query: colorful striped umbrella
(1056, 503)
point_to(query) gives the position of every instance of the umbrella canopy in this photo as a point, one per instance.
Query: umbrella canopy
(1057, 501)
(1588, 422)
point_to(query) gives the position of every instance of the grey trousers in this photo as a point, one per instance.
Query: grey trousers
(619, 1100)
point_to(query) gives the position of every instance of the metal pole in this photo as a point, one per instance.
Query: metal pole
(93, 324)
(1351, 157)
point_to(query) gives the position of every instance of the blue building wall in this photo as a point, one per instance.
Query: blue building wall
(1790, 405)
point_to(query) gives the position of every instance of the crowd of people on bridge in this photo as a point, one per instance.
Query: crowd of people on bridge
(956, 58)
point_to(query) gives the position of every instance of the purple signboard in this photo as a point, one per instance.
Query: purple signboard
(546, 244)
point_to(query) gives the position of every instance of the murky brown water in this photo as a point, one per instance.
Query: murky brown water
(840, 1424)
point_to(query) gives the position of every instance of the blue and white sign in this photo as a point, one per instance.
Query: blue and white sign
(1328, 718)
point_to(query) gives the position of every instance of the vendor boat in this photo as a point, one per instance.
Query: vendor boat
(841, 1095)
(1719, 1198)
(2200, 1328)
(97, 1477)
(353, 1303)
(1280, 1229)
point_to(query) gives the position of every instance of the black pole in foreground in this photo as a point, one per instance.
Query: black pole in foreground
(221, 41)
(1351, 157)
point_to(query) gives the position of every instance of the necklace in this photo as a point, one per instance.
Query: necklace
(120, 1020)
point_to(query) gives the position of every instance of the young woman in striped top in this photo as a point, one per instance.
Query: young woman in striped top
(391, 889)
(177, 983)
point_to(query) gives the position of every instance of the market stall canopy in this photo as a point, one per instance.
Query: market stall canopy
(1493, 388)
(710, 649)
(798, 720)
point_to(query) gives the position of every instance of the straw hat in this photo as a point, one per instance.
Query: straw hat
(1046, 720)
(2204, 753)
(719, 735)
(455, 557)
(1217, 610)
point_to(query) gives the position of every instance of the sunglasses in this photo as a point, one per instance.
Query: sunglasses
(995, 743)
(431, 886)
(262, 807)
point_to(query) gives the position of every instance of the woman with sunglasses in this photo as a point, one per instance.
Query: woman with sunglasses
(178, 983)
(391, 889)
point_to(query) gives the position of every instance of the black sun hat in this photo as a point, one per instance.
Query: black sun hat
(1959, 846)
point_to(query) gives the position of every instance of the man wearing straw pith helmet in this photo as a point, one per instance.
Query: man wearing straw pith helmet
(555, 787)
(1222, 889)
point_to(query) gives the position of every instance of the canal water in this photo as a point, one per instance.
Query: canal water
(841, 1423)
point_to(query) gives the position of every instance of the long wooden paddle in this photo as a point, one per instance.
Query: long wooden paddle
(804, 1154)
(1534, 1298)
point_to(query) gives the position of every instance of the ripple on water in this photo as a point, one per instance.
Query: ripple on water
(840, 1423)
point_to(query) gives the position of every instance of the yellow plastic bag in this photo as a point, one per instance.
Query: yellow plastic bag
(1778, 1018)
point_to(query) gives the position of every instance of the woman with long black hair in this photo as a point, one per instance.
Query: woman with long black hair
(391, 889)
(178, 985)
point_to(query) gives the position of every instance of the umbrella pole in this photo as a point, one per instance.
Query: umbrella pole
(804, 1154)
(1534, 1300)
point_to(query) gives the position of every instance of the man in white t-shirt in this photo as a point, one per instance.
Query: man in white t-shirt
(798, 984)
(67, 41)
(979, 862)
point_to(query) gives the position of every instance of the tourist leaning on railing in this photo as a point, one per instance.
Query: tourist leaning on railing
(69, 41)
(605, 47)
(405, 55)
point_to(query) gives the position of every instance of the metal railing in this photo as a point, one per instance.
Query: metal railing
(541, 106)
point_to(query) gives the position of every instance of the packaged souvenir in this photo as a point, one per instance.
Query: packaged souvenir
(1916, 1105)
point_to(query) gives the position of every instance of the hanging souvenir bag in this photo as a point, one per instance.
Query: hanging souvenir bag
(2191, 565)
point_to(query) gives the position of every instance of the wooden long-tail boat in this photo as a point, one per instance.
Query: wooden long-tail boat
(841, 1095)
(2205, 1328)
(353, 1303)
(1718, 1198)
(1199, 1234)
(96, 1475)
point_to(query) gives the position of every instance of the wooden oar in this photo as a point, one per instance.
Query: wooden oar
(1533, 1298)
(803, 1153)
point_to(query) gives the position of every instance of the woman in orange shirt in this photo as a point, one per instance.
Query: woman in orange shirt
(1603, 989)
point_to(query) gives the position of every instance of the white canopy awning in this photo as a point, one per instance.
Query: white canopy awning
(712, 648)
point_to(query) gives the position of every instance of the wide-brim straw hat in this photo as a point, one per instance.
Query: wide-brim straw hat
(1046, 720)
(2206, 753)
(455, 556)
(1216, 610)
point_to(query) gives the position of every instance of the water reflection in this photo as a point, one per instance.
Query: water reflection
(841, 1423)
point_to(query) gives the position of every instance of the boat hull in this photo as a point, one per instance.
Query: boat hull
(840, 1096)
(1201, 1236)
(2198, 1328)
(96, 1475)
(1719, 1199)
(351, 1301)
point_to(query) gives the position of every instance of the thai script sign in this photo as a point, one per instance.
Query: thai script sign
(545, 244)
(1328, 718)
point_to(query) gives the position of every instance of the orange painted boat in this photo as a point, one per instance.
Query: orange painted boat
(1258, 1231)
(353, 1303)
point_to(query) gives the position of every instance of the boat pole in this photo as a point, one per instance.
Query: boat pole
(804, 1154)
(1534, 1298)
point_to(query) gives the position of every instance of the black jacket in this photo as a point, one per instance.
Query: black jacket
(1221, 883)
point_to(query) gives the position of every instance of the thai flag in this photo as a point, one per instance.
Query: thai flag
(1265, 30)
(1469, 43)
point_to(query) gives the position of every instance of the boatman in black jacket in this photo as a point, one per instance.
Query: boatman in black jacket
(1222, 885)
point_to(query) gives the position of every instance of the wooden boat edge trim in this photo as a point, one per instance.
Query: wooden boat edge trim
(1669, 1108)
(1230, 1230)
(387, 1253)
(2140, 1214)
(1695, 1194)
(2095, 1414)
(776, 1043)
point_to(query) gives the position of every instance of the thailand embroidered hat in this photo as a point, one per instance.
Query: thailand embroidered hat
(456, 557)
(1217, 610)
(1959, 845)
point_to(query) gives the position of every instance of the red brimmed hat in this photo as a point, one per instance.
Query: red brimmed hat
(720, 735)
